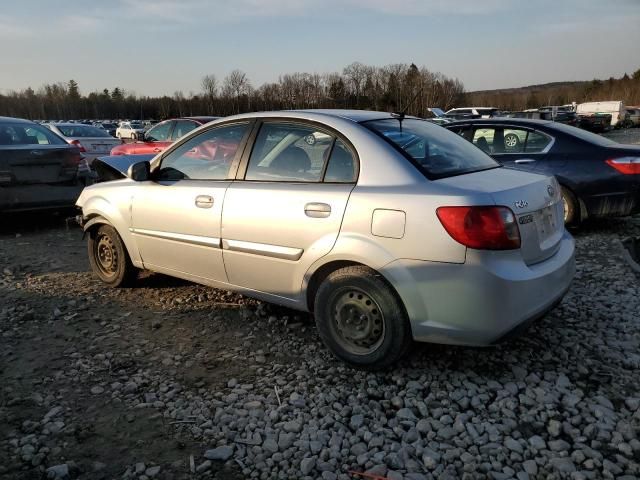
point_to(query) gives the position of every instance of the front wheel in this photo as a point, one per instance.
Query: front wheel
(108, 257)
(361, 319)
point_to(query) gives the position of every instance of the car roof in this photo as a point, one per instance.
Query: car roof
(524, 122)
(15, 120)
(200, 119)
(356, 116)
(67, 124)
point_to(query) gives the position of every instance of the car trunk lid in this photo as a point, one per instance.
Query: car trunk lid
(32, 164)
(534, 199)
(97, 145)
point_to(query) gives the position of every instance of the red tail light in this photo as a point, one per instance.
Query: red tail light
(626, 165)
(78, 144)
(482, 228)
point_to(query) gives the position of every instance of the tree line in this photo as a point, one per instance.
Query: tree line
(387, 88)
(625, 88)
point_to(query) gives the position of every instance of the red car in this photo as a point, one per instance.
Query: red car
(161, 135)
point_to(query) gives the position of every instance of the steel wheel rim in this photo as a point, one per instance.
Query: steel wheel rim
(106, 256)
(357, 321)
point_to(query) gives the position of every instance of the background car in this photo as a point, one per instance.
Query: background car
(109, 127)
(472, 112)
(161, 135)
(599, 177)
(92, 141)
(130, 130)
(38, 169)
(339, 227)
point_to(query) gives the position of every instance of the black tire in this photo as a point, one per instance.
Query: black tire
(361, 319)
(108, 257)
(511, 141)
(571, 208)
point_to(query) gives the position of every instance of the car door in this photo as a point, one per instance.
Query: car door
(156, 139)
(285, 210)
(176, 216)
(510, 145)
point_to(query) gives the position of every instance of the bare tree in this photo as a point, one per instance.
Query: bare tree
(237, 83)
(210, 89)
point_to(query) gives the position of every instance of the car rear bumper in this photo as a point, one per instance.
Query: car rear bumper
(481, 301)
(38, 197)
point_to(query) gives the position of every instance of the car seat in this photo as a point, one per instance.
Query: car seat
(483, 145)
(291, 162)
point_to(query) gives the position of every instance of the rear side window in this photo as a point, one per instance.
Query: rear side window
(342, 167)
(434, 150)
(27, 134)
(536, 142)
(285, 152)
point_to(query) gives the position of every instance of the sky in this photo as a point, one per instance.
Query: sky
(155, 47)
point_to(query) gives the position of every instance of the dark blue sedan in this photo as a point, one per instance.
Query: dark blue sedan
(599, 177)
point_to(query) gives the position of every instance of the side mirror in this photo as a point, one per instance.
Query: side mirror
(139, 172)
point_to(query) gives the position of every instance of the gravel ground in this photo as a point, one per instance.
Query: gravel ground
(171, 380)
(174, 380)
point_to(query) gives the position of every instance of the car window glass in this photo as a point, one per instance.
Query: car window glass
(207, 156)
(26, 134)
(182, 128)
(512, 141)
(483, 139)
(342, 167)
(289, 153)
(84, 131)
(434, 150)
(159, 133)
(537, 142)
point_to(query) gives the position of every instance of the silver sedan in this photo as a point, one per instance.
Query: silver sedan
(391, 231)
(92, 141)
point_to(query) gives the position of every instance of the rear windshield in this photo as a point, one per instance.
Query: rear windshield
(584, 135)
(136, 125)
(82, 131)
(27, 134)
(436, 151)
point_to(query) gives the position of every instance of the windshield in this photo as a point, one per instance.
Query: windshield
(27, 134)
(84, 131)
(437, 152)
(584, 135)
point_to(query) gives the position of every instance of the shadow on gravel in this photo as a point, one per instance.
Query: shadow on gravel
(38, 221)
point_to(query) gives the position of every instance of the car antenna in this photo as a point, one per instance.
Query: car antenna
(402, 113)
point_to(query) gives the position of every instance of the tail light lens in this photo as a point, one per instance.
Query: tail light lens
(626, 165)
(482, 228)
(78, 144)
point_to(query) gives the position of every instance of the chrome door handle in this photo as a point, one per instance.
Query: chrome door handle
(525, 160)
(317, 210)
(204, 201)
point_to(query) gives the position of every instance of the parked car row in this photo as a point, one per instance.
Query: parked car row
(160, 136)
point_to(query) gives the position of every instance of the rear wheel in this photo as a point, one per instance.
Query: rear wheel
(108, 257)
(571, 208)
(361, 319)
(511, 140)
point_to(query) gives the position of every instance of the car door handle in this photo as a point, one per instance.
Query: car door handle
(156, 150)
(204, 201)
(525, 160)
(317, 210)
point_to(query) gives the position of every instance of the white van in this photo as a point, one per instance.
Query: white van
(614, 108)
